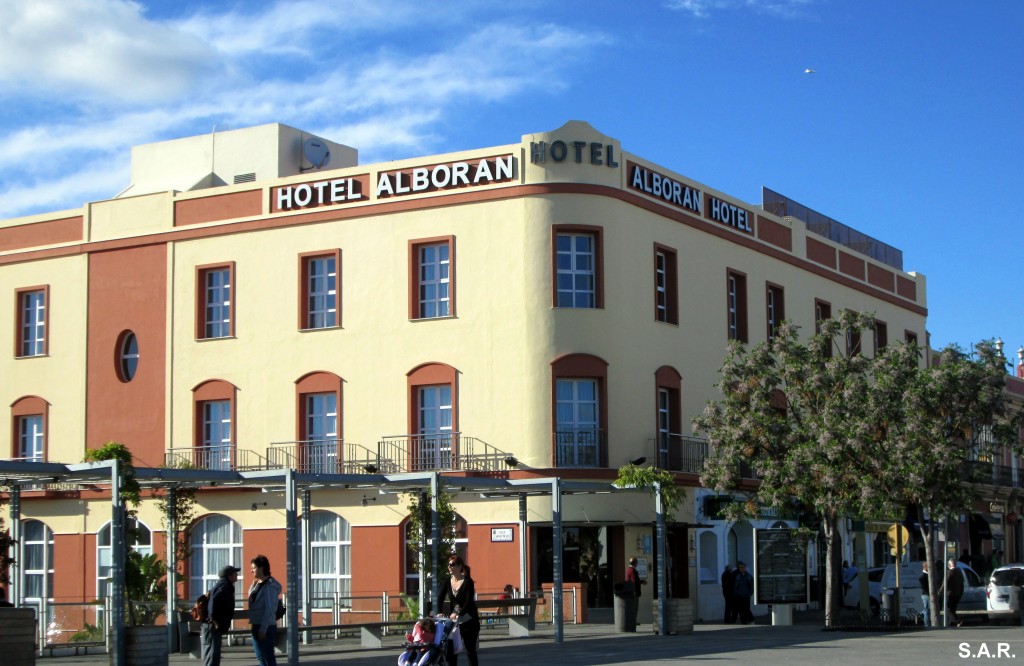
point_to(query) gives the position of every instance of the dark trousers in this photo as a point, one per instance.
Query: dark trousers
(211, 641)
(952, 602)
(730, 609)
(470, 632)
(742, 605)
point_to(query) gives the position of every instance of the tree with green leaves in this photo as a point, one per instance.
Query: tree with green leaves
(145, 575)
(797, 414)
(420, 527)
(938, 425)
(652, 478)
(7, 544)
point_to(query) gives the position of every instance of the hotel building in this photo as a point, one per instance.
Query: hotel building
(556, 306)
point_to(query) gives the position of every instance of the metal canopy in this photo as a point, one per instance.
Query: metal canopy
(17, 474)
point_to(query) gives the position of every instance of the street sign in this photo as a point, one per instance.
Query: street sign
(898, 536)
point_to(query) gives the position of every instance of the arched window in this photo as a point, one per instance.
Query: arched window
(330, 541)
(319, 408)
(708, 557)
(579, 410)
(216, 542)
(412, 557)
(433, 417)
(36, 564)
(140, 539)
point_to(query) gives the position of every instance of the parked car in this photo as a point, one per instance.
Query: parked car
(852, 598)
(975, 592)
(1000, 587)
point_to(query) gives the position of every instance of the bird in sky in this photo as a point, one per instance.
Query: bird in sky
(809, 71)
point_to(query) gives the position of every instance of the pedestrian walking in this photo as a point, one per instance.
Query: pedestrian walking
(743, 590)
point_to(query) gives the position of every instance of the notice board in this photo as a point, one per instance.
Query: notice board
(781, 569)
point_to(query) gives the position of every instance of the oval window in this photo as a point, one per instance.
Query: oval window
(128, 356)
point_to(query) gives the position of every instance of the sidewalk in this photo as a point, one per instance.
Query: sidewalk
(597, 644)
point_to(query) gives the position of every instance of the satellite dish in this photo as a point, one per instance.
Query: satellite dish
(316, 152)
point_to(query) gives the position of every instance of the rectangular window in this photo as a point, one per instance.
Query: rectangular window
(910, 337)
(320, 453)
(853, 341)
(31, 318)
(576, 283)
(666, 291)
(215, 285)
(578, 272)
(434, 449)
(664, 425)
(577, 422)
(737, 305)
(432, 265)
(775, 309)
(881, 336)
(319, 297)
(822, 312)
(216, 448)
(31, 438)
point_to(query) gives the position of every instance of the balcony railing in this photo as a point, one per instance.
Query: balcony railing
(581, 447)
(222, 457)
(327, 456)
(680, 453)
(987, 473)
(441, 451)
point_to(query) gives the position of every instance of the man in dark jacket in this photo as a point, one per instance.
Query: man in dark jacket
(221, 607)
(743, 590)
(729, 593)
(954, 589)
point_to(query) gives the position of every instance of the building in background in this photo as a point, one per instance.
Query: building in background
(258, 299)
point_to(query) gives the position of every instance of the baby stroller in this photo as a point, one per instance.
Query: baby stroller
(438, 654)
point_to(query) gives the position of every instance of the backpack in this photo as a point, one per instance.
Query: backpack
(279, 612)
(201, 610)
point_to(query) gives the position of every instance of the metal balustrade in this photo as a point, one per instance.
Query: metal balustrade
(226, 457)
(440, 451)
(581, 447)
(327, 456)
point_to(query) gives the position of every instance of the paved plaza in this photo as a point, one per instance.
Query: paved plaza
(597, 644)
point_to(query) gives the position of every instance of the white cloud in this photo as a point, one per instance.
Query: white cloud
(389, 97)
(97, 50)
(704, 8)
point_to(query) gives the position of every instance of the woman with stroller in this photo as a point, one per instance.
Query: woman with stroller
(422, 648)
(460, 595)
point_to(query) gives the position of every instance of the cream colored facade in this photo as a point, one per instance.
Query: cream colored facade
(502, 342)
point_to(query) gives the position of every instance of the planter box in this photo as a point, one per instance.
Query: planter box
(18, 636)
(679, 619)
(145, 646)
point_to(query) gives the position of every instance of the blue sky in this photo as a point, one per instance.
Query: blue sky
(911, 129)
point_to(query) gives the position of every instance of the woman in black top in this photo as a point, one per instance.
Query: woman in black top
(459, 594)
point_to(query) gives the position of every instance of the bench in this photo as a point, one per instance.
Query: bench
(371, 634)
(520, 622)
(1011, 615)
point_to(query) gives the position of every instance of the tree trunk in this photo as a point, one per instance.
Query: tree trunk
(933, 584)
(833, 568)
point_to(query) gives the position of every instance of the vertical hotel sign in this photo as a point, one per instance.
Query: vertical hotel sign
(680, 195)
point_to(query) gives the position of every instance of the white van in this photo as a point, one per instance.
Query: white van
(974, 598)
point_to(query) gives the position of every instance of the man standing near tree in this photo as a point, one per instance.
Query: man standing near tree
(221, 607)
